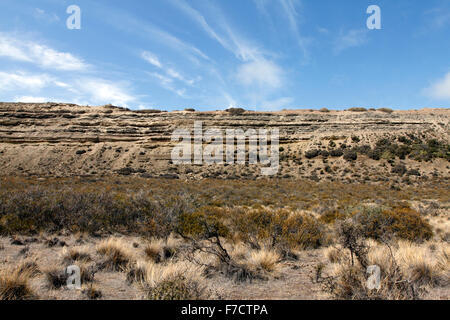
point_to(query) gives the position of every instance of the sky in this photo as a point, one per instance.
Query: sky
(216, 54)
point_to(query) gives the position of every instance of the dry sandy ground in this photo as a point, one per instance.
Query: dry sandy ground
(292, 281)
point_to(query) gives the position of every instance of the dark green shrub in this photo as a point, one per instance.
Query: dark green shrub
(350, 155)
(336, 153)
(310, 154)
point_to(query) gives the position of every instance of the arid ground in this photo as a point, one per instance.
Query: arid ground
(95, 187)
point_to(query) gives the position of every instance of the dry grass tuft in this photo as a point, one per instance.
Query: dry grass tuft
(423, 266)
(56, 277)
(171, 281)
(334, 254)
(30, 267)
(73, 255)
(116, 252)
(92, 293)
(266, 260)
(14, 285)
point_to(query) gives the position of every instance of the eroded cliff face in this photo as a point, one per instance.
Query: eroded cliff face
(69, 140)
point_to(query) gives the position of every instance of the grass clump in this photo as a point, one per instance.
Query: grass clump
(172, 281)
(117, 255)
(14, 284)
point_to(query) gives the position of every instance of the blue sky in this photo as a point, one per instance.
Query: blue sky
(210, 55)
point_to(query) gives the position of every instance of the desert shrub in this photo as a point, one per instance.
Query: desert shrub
(54, 209)
(177, 288)
(364, 149)
(189, 109)
(280, 227)
(336, 153)
(203, 223)
(235, 111)
(325, 110)
(385, 110)
(310, 154)
(374, 154)
(149, 111)
(357, 109)
(399, 169)
(356, 139)
(324, 153)
(14, 285)
(351, 236)
(413, 172)
(402, 222)
(350, 155)
(410, 146)
(408, 224)
(303, 231)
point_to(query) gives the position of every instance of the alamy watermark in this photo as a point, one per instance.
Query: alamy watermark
(374, 21)
(73, 277)
(213, 147)
(74, 20)
(374, 279)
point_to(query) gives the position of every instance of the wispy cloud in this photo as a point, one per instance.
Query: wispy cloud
(256, 70)
(168, 83)
(200, 19)
(39, 54)
(151, 58)
(262, 73)
(45, 16)
(132, 24)
(22, 80)
(290, 9)
(440, 90)
(229, 39)
(349, 39)
(171, 75)
(438, 17)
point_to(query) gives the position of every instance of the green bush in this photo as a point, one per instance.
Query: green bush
(402, 222)
(178, 288)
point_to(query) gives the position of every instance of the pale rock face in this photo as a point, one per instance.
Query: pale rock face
(68, 140)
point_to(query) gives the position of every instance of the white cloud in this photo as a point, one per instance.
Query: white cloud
(30, 99)
(41, 55)
(353, 38)
(261, 72)
(151, 58)
(440, 90)
(22, 80)
(100, 91)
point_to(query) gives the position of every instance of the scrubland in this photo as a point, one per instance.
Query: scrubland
(135, 238)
